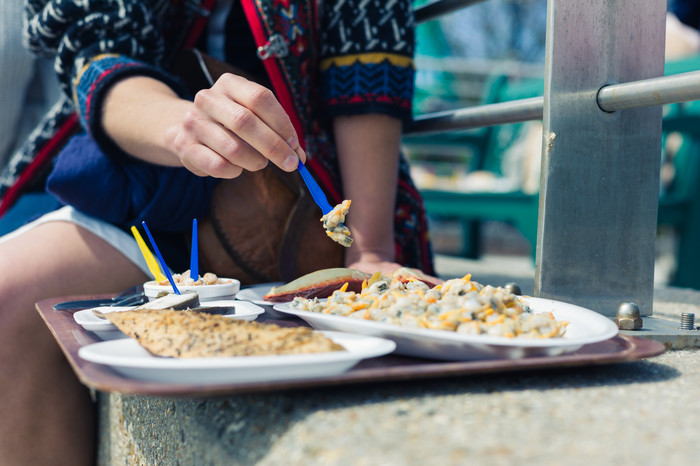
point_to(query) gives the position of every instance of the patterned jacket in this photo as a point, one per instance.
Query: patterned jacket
(340, 57)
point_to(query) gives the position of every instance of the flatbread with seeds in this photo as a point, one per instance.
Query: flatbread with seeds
(187, 334)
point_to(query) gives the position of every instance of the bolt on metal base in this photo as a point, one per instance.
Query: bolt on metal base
(688, 321)
(628, 317)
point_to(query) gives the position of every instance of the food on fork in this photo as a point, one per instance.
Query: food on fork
(186, 334)
(333, 223)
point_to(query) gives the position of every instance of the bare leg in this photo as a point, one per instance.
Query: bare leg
(46, 415)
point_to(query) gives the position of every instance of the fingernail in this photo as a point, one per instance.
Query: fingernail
(301, 154)
(291, 163)
(293, 142)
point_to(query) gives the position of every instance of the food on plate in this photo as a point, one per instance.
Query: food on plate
(333, 223)
(210, 287)
(406, 274)
(459, 305)
(184, 279)
(185, 334)
(168, 300)
(321, 283)
(188, 300)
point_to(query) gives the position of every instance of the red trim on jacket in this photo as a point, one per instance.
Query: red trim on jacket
(281, 88)
(261, 34)
(68, 129)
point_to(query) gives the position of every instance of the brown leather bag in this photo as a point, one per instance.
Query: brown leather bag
(263, 226)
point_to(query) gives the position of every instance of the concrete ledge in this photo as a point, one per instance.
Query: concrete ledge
(642, 412)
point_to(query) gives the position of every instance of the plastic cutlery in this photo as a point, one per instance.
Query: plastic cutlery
(194, 255)
(315, 189)
(133, 295)
(160, 259)
(150, 260)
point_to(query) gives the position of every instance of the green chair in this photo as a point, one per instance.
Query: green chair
(679, 203)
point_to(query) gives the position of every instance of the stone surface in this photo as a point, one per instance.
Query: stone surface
(642, 412)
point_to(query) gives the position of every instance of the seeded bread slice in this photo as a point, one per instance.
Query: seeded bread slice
(187, 334)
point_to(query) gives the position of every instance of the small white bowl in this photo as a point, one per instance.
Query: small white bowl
(225, 289)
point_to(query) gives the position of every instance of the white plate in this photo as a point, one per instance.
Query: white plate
(129, 358)
(106, 330)
(255, 293)
(585, 327)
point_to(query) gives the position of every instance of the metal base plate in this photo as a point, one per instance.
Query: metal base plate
(666, 331)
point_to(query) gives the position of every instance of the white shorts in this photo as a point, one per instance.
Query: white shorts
(117, 238)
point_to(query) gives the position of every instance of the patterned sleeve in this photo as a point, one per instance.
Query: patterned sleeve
(367, 52)
(94, 44)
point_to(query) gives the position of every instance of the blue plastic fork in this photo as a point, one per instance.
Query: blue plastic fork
(315, 189)
(194, 253)
(160, 259)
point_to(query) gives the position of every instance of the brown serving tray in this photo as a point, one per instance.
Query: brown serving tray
(71, 337)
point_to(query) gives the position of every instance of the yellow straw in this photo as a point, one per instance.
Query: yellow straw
(150, 260)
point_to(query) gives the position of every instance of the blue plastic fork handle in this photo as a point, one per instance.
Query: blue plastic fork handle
(163, 266)
(315, 189)
(194, 253)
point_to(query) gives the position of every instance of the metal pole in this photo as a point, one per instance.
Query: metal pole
(599, 182)
(475, 117)
(438, 8)
(647, 92)
(613, 97)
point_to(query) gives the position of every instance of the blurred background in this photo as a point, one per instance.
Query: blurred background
(494, 51)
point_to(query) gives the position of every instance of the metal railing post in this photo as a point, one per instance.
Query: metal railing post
(599, 186)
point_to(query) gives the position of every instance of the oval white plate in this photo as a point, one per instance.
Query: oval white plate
(255, 293)
(108, 331)
(131, 359)
(585, 327)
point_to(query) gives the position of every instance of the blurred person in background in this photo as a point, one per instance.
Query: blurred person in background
(682, 28)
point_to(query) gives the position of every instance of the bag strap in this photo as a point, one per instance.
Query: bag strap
(271, 46)
(287, 263)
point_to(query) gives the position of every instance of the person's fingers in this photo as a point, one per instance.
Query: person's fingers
(254, 114)
(203, 161)
(301, 154)
(227, 146)
(198, 157)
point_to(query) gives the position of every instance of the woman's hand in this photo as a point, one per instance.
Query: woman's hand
(236, 125)
(371, 263)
